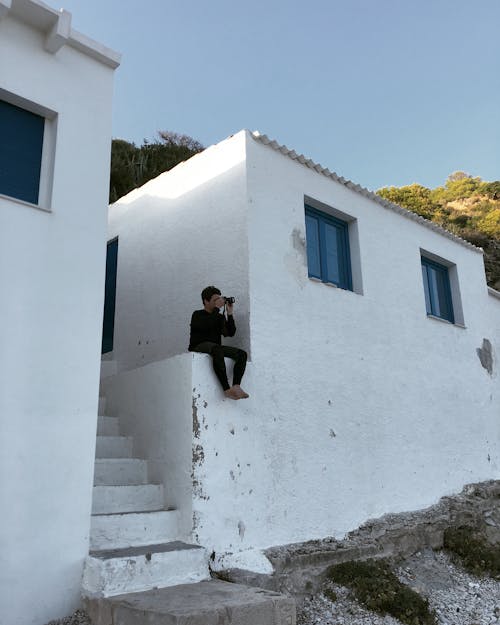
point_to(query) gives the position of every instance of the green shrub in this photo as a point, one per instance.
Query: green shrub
(377, 588)
(468, 548)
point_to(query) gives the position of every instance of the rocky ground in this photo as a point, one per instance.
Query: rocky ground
(457, 597)
(78, 618)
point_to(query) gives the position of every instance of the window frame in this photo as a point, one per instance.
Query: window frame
(47, 162)
(22, 161)
(344, 253)
(432, 309)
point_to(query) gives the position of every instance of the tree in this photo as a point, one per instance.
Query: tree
(133, 166)
(457, 175)
(414, 197)
(490, 223)
(491, 189)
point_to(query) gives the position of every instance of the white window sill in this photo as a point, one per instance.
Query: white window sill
(334, 286)
(320, 281)
(458, 325)
(24, 203)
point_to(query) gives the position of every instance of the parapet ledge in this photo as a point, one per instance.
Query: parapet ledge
(56, 26)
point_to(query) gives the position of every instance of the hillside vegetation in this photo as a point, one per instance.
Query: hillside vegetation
(133, 165)
(466, 206)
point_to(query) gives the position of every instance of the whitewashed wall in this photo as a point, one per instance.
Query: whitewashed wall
(52, 281)
(177, 234)
(371, 406)
(360, 404)
(154, 403)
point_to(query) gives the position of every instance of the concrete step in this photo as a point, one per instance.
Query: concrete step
(102, 406)
(133, 529)
(207, 603)
(113, 499)
(108, 573)
(113, 447)
(108, 426)
(120, 471)
(108, 368)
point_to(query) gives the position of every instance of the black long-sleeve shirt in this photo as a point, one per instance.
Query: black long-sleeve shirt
(207, 326)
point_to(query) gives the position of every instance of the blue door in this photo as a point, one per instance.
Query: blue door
(108, 324)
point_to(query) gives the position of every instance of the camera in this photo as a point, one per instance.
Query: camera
(228, 300)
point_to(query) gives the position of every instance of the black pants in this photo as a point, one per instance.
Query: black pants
(218, 352)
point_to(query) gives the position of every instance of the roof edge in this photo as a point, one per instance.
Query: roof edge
(300, 158)
(56, 26)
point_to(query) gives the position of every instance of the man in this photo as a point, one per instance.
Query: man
(207, 326)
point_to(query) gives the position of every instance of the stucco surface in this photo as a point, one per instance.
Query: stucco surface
(359, 403)
(154, 406)
(52, 278)
(177, 234)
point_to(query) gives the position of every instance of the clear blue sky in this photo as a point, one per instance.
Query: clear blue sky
(383, 92)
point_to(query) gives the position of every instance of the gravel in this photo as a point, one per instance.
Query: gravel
(457, 597)
(319, 610)
(77, 618)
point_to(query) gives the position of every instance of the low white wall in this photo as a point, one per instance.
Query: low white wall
(155, 406)
(52, 282)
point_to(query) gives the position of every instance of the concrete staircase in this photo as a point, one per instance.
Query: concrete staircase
(134, 536)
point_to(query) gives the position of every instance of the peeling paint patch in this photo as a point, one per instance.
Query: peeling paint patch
(296, 259)
(148, 557)
(241, 529)
(332, 434)
(196, 422)
(299, 242)
(196, 525)
(198, 490)
(232, 431)
(231, 473)
(198, 455)
(485, 354)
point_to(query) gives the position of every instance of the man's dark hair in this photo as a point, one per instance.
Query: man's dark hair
(206, 294)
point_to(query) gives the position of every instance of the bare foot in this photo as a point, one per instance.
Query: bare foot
(239, 391)
(231, 393)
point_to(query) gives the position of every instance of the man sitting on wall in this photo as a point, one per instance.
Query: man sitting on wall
(207, 326)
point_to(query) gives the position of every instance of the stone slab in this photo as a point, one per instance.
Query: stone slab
(113, 447)
(133, 529)
(212, 602)
(129, 498)
(108, 426)
(115, 572)
(120, 471)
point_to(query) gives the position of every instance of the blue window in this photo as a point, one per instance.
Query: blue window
(328, 256)
(437, 290)
(21, 142)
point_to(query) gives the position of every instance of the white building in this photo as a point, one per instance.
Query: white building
(372, 340)
(55, 133)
